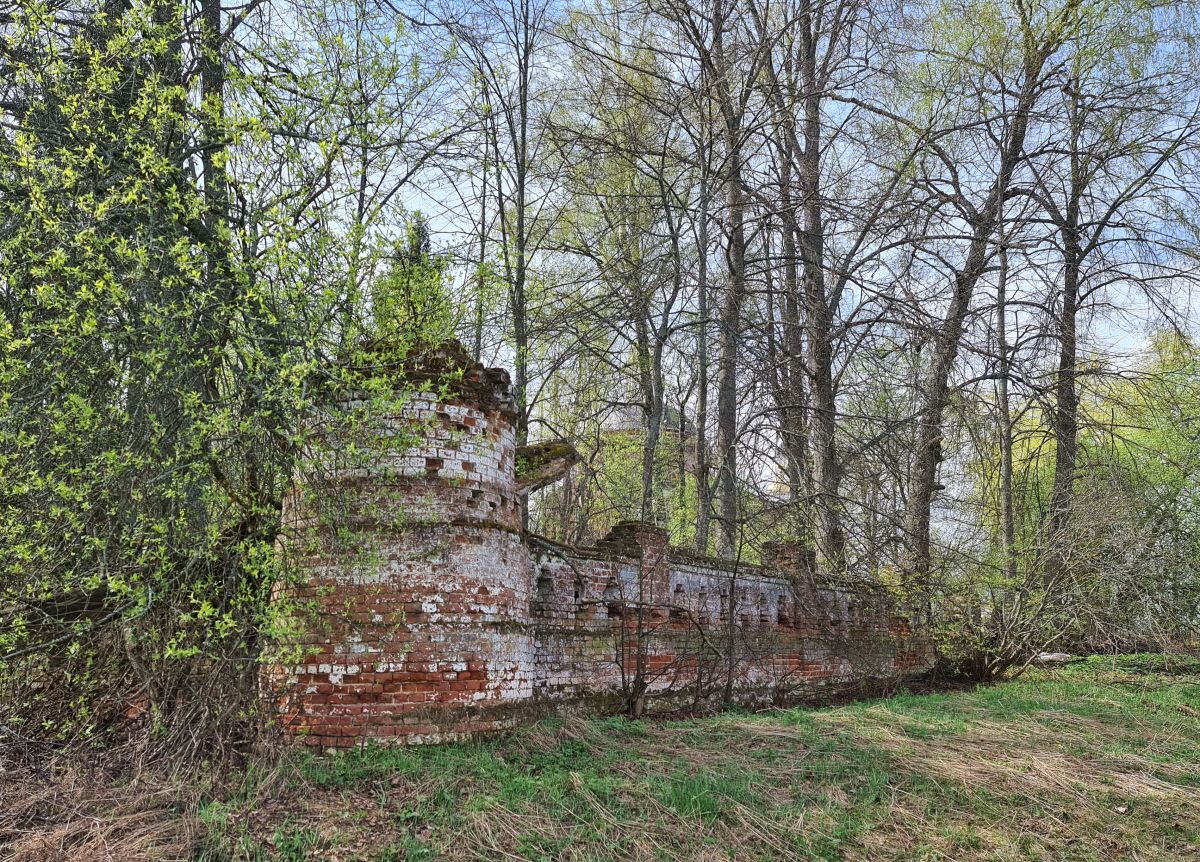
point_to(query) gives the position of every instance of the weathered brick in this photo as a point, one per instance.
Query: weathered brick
(465, 626)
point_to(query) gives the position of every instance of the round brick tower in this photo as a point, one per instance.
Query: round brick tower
(412, 599)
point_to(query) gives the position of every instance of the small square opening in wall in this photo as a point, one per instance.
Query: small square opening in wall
(612, 598)
(678, 613)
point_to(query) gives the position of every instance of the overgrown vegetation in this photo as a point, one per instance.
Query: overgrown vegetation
(1119, 576)
(162, 350)
(1095, 762)
(906, 283)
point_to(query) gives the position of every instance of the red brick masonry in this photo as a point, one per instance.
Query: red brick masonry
(423, 614)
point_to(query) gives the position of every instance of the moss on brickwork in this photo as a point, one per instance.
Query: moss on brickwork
(539, 464)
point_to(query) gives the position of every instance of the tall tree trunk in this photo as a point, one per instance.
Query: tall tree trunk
(481, 261)
(793, 397)
(1007, 510)
(649, 380)
(728, 347)
(831, 538)
(703, 497)
(519, 304)
(795, 427)
(729, 334)
(1066, 409)
(935, 395)
(783, 353)
(213, 144)
(219, 275)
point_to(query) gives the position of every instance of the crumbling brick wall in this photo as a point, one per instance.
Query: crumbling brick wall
(701, 629)
(422, 613)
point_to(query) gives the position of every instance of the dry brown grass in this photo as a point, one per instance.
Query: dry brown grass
(1023, 756)
(1088, 766)
(76, 818)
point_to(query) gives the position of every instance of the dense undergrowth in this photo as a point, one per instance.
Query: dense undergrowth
(1096, 761)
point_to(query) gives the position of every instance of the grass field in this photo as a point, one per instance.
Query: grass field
(1096, 761)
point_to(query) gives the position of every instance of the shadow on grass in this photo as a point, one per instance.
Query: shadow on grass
(1075, 765)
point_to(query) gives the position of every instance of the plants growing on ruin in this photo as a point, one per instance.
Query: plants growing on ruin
(908, 284)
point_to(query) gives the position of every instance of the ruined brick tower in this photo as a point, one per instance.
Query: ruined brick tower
(419, 631)
(421, 612)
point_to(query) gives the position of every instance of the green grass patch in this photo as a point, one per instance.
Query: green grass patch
(1099, 760)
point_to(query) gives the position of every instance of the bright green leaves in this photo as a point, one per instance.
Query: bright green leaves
(410, 301)
(139, 398)
(161, 357)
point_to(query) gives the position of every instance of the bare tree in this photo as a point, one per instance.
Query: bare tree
(1038, 35)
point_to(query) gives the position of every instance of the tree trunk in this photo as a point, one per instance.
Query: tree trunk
(1066, 408)
(649, 380)
(728, 346)
(1007, 514)
(831, 538)
(947, 339)
(703, 497)
(480, 272)
(729, 334)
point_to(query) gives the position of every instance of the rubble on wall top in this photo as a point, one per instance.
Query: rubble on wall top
(540, 464)
(447, 365)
